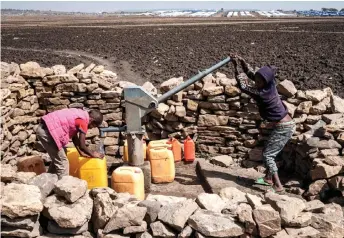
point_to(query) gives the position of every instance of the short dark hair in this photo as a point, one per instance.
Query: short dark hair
(97, 117)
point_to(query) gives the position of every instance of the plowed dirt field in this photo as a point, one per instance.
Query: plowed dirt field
(308, 52)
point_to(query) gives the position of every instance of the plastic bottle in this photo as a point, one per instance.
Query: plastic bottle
(176, 149)
(189, 150)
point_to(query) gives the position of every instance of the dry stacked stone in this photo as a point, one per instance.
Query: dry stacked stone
(213, 111)
(44, 207)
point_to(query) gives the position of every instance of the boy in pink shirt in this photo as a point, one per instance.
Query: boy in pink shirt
(58, 127)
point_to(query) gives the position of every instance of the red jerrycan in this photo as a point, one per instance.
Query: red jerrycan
(176, 149)
(189, 150)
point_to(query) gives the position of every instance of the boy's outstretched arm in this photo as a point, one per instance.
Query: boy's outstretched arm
(242, 80)
(248, 70)
(80, 144)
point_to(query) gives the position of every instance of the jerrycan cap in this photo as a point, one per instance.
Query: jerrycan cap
(137, 171)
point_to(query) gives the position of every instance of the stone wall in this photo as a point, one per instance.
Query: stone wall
(213, 111)
(41, 206)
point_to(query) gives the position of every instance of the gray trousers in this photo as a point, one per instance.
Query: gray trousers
(59, 162)
(275, 144)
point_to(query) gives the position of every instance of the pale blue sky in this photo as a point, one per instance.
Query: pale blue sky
(146, 5)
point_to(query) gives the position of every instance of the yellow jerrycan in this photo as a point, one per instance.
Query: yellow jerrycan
(93, 171)
(130, 180)
(162, 165)
(73, 159)
(157, 143)
(126, 153)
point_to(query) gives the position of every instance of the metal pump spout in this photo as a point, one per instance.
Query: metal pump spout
(138, 103)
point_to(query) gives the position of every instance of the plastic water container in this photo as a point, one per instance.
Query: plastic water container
(127, 179)
(157, 143)
(73, 158)
(93, 171)
(176, 149)
(189, 150)
(31, 164)
(162, 165)
(126, 152)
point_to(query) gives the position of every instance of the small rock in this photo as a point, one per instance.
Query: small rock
(291, 108)
(317, 187)
(330, 221)
(76, 69)
(71, 188)
(281, 234)
(232, 91)
(124, 217)
(160, 230)
(54, 228)
(45, 182)
(318, 109)
(316, 95)
(8, 173)
(24, 177)
(208, 120)
(27, 222)
(186, 232)
(304, 107)
(180, 111)
(337, 104)
(103, 209)
(244, 212)
(289, 207)
(253, 200)
(267, 219)
(303, 232)
(31, 70)
(135, 229)
(170, 84)
(62, 78)
(149, 87)
(191, 105)
(153, 208)
(68, 215)
(222, 160)
(302, 220)
(160, 111)
(323, 171)
(177, 214)
(212, 91)
(286, 88)
(337, 183)
(232, 195)
(20, 200)
(143, 235)
(214, 224)
(210, 202)
(13, 232)
(59, 69)
(314, 206)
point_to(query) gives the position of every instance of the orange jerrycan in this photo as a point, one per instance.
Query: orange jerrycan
(93, 171)
(176, 149)
(189, 150)
(162, 165)
(31, 164)
(126, 152)
(157, 143)
(127, 179)
(73, 159)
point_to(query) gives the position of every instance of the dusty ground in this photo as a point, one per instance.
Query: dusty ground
(186, 183)
(307, 51)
